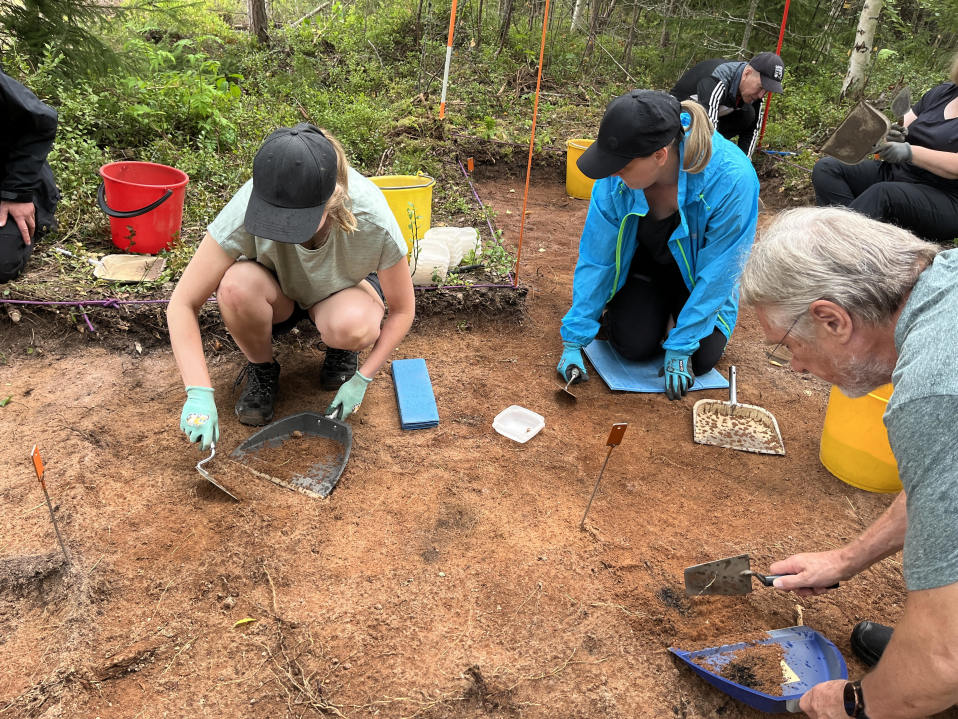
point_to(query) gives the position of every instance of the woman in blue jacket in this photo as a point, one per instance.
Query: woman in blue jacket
(670, 225)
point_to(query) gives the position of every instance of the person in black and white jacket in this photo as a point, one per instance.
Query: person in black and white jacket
(733, 93)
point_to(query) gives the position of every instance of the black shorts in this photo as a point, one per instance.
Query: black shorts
(284, 327)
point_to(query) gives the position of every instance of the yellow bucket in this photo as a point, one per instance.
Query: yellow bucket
(577, 184)
(410, 199)
(855, 443)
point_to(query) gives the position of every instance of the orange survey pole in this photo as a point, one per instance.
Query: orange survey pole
(778, 51)
(445, 73)
(39, 469)
(532, 141)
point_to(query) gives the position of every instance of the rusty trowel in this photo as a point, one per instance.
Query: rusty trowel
(732, 575)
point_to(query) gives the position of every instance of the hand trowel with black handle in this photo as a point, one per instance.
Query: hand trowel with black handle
(729, 576)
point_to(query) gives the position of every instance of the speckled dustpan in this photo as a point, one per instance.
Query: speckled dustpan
(744, 427)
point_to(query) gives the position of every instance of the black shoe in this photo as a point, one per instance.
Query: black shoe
(255, 405)
(339, 366)
(869, 640)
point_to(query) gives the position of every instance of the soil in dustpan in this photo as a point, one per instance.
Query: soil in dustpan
(757, 667)
(729, 430)
(297, 456)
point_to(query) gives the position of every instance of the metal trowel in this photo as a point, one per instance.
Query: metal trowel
(204, 473)
(563, 393)
(729, 576)
(901, 104)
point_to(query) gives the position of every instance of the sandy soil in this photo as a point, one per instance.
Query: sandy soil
(446, 576)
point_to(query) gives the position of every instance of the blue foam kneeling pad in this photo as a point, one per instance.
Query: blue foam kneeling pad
(417, 403)
(631, 376)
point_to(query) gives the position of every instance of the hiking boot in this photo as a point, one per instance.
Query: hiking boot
(339, 366)
(255, 405)
(869, 640)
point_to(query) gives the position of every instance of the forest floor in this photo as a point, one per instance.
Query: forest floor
(446, 575)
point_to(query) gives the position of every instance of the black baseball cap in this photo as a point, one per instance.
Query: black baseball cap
(771, 68)
(634, 125)
(294, 175)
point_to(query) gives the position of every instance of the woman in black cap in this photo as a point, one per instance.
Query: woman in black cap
(308, 236)
(670, 224)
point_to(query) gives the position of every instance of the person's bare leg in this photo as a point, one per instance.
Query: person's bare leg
(349, 319)
(251, 302)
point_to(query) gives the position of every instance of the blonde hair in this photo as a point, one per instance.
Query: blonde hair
(953, 76)
(339, 206)
(698, 144)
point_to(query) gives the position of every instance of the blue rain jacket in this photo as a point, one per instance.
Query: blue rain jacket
(718, 209)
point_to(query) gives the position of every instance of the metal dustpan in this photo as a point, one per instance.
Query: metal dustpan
(855, 139)
(319, 478)
(809, 660)
(744, 427)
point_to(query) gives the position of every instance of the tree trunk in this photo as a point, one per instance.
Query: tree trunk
(479, 25)
(627, 52)
(861, 51)
(664, 37)
(257, 20)
(749, 24)
(504, 27)
(577, 15)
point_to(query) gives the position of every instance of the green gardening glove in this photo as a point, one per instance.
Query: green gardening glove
(349, 396)
(199, 418)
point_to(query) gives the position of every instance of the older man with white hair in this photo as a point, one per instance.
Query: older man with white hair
(860, 303)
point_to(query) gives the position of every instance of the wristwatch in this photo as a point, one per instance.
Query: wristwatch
(854, 700)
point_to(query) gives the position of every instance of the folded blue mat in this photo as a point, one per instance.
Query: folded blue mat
(417, 403)
(630, 376)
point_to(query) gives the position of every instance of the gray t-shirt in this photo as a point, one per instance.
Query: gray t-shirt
(921, 418)
(309, 276)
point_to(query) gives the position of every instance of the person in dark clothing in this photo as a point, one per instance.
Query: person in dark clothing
(28, 193)
(914, 184)
(732, 93)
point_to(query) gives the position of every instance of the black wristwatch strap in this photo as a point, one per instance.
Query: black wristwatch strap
(854, 700)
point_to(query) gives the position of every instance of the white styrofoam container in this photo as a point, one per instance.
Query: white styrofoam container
(431, 259)
(459, 240)
(518, 423)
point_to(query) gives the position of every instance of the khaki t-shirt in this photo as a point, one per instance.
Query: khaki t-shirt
(310, 276)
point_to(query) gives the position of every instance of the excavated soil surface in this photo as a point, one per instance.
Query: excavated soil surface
(446, 576)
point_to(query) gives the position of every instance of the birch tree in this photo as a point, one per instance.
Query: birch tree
(861, 51)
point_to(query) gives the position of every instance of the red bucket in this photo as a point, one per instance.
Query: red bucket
(145, 203)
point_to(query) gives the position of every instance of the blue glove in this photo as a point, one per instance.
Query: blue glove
(198, 418)
(572, 357)
(895, 152)
(678, 374)
(349, 396)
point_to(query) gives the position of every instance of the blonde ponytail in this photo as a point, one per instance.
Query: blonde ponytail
(338, 206)
(698, 143)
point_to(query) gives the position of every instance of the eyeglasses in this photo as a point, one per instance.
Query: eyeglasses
(780, 355)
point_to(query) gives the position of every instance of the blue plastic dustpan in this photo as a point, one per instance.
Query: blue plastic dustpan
(809, 657)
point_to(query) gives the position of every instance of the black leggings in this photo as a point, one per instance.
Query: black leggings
(636, 318)
(870, 188)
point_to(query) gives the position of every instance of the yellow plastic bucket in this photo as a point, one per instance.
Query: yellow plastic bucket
(410, 199)
(854, 443)
(576, 184)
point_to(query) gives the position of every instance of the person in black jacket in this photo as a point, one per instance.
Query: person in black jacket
(28, 193)
(914, 183)
(732, 93)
